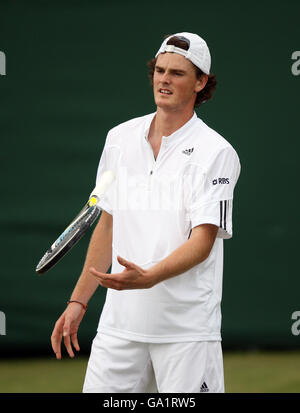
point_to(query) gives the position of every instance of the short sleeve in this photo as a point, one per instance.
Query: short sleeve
(210, 200)
(109, 160)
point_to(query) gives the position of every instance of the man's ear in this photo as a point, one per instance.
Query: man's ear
(201, 83)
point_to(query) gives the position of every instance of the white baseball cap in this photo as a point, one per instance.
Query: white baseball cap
(198, 52)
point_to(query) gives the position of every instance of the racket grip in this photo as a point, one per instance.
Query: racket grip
(104, 182)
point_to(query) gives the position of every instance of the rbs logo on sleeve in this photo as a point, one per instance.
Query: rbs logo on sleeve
(220, 181)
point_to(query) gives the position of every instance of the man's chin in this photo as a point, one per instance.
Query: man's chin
(165, 105)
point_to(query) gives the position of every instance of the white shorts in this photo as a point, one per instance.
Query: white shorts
(121, 366)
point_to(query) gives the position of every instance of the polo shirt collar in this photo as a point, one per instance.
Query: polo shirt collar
(175, 135)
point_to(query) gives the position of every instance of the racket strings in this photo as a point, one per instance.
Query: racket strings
(87, 219)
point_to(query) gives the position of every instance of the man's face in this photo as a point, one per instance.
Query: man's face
(175, 84)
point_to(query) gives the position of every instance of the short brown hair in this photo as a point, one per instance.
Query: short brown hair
(207, 92)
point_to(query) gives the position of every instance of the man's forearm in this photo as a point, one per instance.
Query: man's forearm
(189, 254)
(192, 252)
(99, 254)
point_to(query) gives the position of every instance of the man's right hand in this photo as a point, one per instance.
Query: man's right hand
(66, 327)
(99, 255)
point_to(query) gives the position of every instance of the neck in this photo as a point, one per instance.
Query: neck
(166, 123)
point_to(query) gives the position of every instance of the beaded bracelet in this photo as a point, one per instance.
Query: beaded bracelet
(75, 301)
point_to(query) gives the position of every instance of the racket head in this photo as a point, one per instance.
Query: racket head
(78, 227)
(68, 238)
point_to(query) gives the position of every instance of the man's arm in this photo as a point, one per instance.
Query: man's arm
(99, 254)
(195, 250)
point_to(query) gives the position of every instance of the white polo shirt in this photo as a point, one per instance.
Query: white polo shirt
(155, 203)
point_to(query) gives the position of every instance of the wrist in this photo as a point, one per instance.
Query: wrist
(154, 275)
(83, 305)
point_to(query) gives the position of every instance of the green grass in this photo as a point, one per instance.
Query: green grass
(260, 372)
(42, 375)
(253, 372)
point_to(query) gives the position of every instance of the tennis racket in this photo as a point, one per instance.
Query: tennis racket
(78, 227)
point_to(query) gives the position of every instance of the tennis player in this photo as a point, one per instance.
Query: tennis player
(162, 229)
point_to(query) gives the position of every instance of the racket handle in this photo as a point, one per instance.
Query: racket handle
(105, 181)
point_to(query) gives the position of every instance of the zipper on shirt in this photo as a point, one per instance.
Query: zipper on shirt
(155, 161)
(151, 174)
(152, 168)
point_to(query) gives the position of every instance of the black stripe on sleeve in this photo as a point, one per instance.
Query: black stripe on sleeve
(225, 212)
(221, 213)
(225, 208)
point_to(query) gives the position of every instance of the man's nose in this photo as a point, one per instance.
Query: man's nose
(166, 78)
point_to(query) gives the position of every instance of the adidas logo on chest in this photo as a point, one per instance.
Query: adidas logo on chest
(188, 151)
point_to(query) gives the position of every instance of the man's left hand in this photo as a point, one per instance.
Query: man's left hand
(133, 277)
